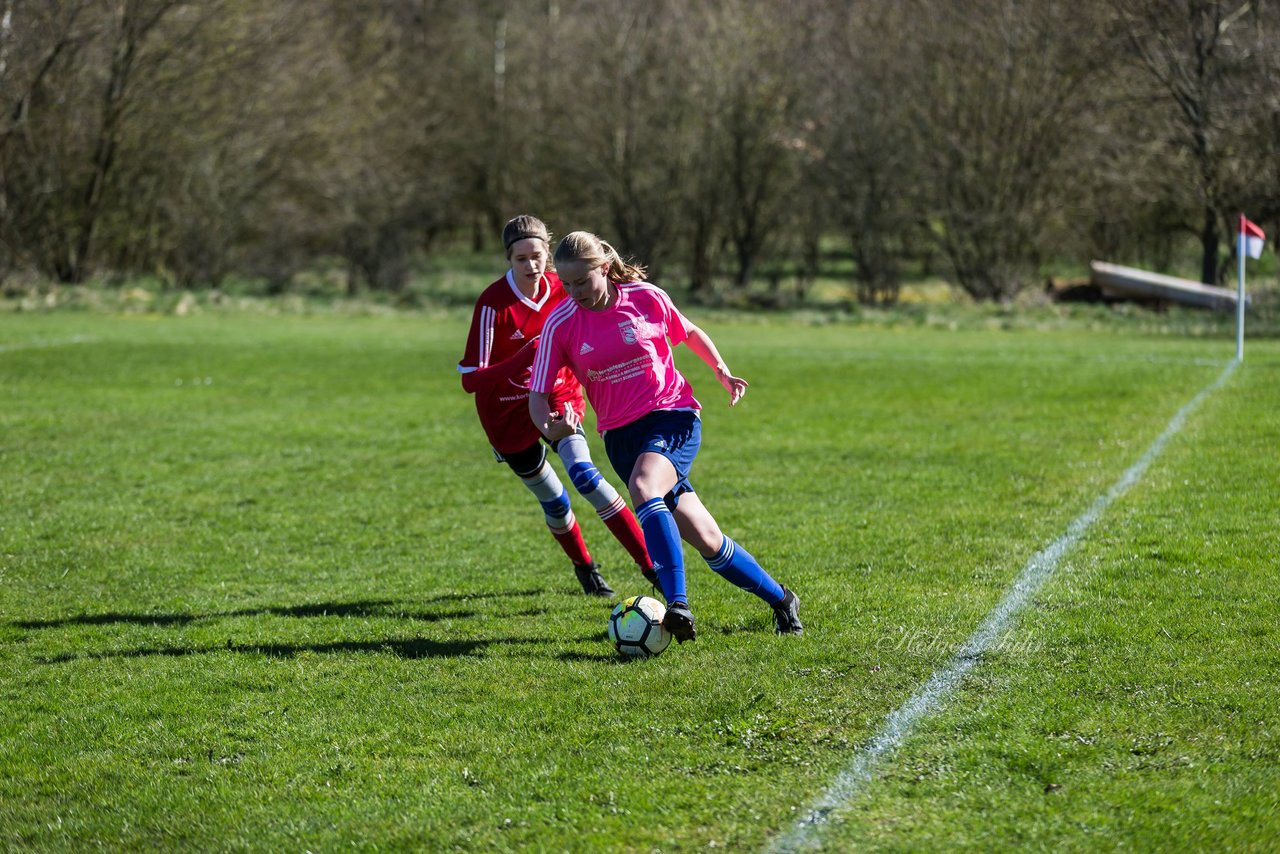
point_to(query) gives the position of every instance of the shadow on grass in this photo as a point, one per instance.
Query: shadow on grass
(411, 649)
(415, 648)
(362, 608)
(108, 619)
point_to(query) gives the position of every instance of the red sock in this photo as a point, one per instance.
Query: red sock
(570, 539)
(624, 526)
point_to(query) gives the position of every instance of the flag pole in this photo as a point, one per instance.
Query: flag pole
(1240, 292)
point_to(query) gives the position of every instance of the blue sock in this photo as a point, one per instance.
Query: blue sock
(662, 538)
(738, 566)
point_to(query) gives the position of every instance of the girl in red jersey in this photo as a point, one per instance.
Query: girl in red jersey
(508, 319)
(616, 335)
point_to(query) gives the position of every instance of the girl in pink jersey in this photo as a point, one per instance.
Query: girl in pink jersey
(616, 333)
(507, 321)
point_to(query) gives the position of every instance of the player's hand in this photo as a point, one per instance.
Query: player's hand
(559, 426)
(570, 417)
(736, 386)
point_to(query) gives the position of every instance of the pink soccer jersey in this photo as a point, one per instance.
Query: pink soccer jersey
(621, 355)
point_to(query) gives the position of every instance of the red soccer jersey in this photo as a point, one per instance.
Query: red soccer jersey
(500, 350)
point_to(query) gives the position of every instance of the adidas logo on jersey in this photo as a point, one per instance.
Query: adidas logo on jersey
(585, 349)
(518, 336)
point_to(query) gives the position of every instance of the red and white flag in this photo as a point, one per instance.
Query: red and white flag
(1253, 238)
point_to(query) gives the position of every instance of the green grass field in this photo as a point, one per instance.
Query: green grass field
(262, 587)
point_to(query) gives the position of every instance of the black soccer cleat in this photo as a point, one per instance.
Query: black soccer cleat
(651, 576)
(786, 614)
(679, 621)
(593, 583)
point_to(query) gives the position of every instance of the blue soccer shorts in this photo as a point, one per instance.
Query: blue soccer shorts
(674, 433)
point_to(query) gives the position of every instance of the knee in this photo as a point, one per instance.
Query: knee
(585, 477)
(645, 485)
(653, 477)
(642, 492)
(706, 540)
(535, 472)
(529, 464)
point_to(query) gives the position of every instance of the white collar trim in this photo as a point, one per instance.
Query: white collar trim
(543, 285)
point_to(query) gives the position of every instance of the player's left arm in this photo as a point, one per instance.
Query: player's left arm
(701, 344)
(551, 421)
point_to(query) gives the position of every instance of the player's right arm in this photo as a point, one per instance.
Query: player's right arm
(478, 373)
(476, 379)
(701, 344)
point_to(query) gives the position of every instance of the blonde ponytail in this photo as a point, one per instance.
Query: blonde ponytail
(620, 270)
(585, 246)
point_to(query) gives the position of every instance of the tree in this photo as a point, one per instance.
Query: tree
(757, 118)
(625, 124)
(999, 91)
(865, 157)
(1203, 58)
(38, 41)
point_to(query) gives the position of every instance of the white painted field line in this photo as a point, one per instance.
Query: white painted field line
(807, 831)
(42, 344)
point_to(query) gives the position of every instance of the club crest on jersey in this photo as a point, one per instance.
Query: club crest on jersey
(628, 330)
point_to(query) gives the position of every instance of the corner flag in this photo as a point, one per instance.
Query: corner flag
(1254, 239)
(1250, 243)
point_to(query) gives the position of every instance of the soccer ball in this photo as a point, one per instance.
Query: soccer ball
(635, 627)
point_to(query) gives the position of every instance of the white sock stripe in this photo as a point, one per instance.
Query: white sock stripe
(651, 507)
(568, 525)
(613, 509)
(603, 498)
(724, 556)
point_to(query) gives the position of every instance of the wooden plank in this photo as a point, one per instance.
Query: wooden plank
(1131, 281)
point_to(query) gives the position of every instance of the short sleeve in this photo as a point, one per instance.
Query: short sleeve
(479, 339)
(677, 324)
(548, 362)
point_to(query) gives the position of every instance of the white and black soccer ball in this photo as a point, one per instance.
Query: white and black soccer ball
(635, 627)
